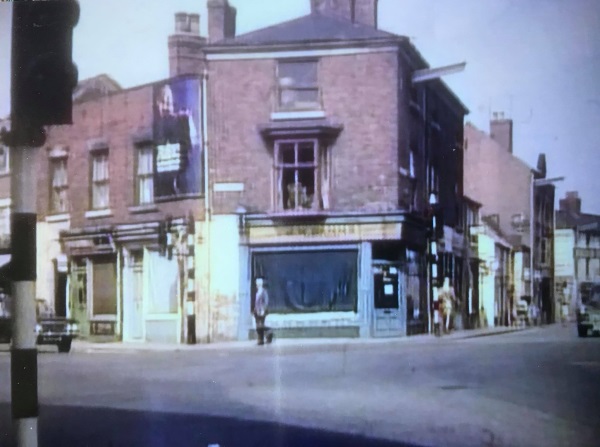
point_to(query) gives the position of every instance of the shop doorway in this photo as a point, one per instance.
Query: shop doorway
(389, 319)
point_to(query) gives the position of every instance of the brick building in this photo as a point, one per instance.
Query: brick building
(117, 199)
(324, 150)
(307, 152)
(577, 254)
(511, 192)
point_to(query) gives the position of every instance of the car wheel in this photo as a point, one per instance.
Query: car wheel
(582, 331)
(64, 345)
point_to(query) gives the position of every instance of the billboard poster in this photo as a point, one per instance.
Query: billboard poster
(177, 137)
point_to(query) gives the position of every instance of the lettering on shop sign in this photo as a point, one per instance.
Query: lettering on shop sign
(321, 230)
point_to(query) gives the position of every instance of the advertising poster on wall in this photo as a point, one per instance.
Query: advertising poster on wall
(177, 137)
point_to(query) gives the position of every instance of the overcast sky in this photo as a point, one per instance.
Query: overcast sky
(538, 61)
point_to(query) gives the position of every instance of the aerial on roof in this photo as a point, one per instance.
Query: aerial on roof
(313, 27)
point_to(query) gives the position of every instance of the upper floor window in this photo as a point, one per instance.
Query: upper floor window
(4, 159)
(5, 226)
(302, 173)
(59, 186)
(100, 178)
(144, 179)
(298, 87)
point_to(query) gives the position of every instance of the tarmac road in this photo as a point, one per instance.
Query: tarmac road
(530, 388)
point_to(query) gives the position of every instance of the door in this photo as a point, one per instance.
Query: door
(133, 312)
(389, 316)
(79, 300)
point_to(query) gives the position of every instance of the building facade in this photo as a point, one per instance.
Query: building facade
(577, 254)
(323, 153)
(518, 211)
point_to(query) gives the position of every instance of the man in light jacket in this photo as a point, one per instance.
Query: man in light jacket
(261, 309)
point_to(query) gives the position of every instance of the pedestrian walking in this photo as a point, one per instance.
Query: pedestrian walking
(447, 299)
(261, 309)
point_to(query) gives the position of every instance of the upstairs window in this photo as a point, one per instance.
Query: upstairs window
(59, 187)
(298, 88)
(4, 156)
(5, 226)
(302, 175)
(100, 178)
(144, 178)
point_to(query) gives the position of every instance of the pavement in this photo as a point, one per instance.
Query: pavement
(80, 345)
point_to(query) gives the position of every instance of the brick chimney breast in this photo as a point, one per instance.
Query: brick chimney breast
(501, 131)
(365, 12)
(334, 8)
(186, 46)
(221, 20)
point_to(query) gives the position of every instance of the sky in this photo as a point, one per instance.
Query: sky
(537, 61)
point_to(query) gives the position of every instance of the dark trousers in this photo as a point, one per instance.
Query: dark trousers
(261, 330)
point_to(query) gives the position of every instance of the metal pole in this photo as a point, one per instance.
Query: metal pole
(24, 386)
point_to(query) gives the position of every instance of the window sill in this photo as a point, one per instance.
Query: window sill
(62, 217)
(297, 114)
(5, 174)
(94, 214)
(139, 209)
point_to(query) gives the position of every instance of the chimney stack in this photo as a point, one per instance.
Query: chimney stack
(221, 20)
(501, 131)
(365, 12)
(186, 55)
(355, 11)
(571, 203)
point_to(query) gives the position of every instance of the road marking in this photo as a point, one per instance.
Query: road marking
(591, 363)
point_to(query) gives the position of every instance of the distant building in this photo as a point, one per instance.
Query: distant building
(519, 202)
(577, 256)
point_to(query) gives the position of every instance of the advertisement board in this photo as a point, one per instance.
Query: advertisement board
(177, 138)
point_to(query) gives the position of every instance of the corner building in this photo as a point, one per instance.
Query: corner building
(323, 152)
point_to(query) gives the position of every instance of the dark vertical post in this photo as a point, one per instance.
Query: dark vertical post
(24, 386)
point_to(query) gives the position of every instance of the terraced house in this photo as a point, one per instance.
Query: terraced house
(312, 153)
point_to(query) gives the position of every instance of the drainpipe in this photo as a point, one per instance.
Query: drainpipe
(206, 196)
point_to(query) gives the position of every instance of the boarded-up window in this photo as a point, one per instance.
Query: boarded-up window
(105, 288)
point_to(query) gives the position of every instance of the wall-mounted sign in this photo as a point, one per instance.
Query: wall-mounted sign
(177, 136)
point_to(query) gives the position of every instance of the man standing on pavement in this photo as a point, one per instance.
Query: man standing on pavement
(261, 309)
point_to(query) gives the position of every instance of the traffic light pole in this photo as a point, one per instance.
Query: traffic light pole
(24, 380)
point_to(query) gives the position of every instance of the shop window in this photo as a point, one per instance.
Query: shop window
(309, 281)
(298, 85)
(100, 180)
(302, 173)
(59, 185)
(144, 178)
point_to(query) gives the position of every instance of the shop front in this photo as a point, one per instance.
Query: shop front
(340, 276)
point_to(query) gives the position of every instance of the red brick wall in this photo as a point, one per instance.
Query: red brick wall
(114, 118)
(359, 91)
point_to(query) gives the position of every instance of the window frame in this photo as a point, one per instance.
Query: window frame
(297, 105)
(321, 165)
(140, 177)
(53, 162)
(94, 156)
(5, 169)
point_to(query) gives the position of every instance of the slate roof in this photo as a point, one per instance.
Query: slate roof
(313, 27)
(95, 87)
(567, 219)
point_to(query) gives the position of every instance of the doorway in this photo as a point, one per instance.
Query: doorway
(389, 319)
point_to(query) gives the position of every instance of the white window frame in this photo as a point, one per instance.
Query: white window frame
(4, 167)
(59, 186)
(321, 165)
(290, 86)
(144, 176)
(103, 180)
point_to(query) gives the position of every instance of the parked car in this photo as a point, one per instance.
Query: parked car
(49, 330)
(588, 314)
